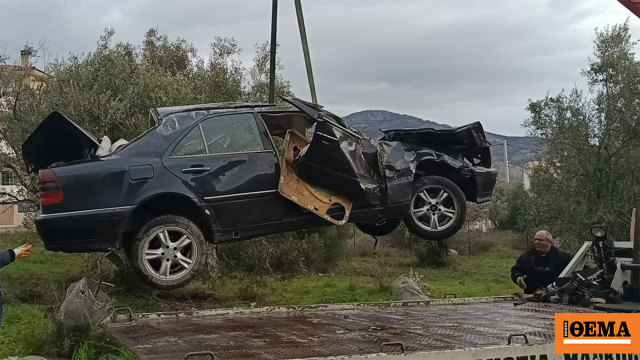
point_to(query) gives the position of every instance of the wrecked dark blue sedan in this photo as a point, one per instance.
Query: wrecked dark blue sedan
(229, 172)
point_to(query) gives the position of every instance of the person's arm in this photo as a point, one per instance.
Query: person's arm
(517, 272)
(518, 269)
(9, 256)
(6, 258)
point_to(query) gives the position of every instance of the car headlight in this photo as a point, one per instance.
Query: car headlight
(598, 231)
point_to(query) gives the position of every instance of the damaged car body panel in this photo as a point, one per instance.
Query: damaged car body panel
(469, 141)
(338, 161)
(229, 172)
(343, 161)
(346, 162)
(317, 200)
(464, 153)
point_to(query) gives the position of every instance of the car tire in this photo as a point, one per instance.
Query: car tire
(172, 241)
(426, 204)
(382, 228)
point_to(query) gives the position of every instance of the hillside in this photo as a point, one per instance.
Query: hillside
(520, 149)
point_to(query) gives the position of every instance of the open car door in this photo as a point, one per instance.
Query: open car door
(322, 202)
(341, 162)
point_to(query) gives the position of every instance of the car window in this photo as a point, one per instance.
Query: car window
(191, 144)
(232, 133)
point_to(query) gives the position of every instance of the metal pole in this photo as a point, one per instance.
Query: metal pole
(469, 238)
(305, 50)
(506, 159)
(272, 64)
(354, 240)
(635, 276)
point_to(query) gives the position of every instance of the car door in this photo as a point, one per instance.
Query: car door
(339, 159)
(230, 161)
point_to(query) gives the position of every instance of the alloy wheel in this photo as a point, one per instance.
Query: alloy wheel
(169, 253)
(434, 208)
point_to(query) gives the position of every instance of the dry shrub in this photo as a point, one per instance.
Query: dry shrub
(313, 250)
(382, 272)
(362, 245)
(477, 242)
(400, 242)
(252, 288)
(419, 280)
(433, 254)
(401, 238)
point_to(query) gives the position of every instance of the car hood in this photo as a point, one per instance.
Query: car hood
(57, 140)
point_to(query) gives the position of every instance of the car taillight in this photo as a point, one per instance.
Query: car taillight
(50, 190)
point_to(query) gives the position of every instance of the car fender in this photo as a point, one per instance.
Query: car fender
(440, 164)
(205, 215)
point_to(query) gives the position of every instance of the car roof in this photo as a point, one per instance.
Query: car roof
(163, 112)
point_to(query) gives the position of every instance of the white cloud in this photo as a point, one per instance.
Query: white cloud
(448, 61)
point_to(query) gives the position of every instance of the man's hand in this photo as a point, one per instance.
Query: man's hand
(22, 251)
(521, 282)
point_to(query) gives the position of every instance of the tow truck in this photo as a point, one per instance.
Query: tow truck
(450, 328)
(501, 327)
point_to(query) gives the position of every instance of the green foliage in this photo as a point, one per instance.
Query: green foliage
(110, 90)
(92, 350)
(296, 252)
(29, 330)
(433, 254)
(259, 76)
(428, 253)
(508, 207)
(24, 330)
(589, 149)
(28, 323)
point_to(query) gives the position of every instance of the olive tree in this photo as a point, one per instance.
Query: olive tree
(109, 90)
(590, 145)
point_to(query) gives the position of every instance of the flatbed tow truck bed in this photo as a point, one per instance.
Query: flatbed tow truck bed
(472, 328)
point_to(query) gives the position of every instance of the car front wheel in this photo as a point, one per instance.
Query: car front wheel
(438, 208)
(168, 251)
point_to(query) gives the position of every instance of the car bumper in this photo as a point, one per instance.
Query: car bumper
(83, 231)
(485, 180)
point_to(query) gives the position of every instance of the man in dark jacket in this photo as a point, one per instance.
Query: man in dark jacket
(540, 266)
(6, 258)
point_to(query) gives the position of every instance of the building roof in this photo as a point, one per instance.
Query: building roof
(22, 68)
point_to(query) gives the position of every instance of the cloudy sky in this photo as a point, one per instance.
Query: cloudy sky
(448, 61)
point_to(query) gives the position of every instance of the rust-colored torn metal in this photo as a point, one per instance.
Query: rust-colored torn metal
(316, 200)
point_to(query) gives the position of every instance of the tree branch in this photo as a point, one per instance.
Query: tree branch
(16, 199)
(30, 187)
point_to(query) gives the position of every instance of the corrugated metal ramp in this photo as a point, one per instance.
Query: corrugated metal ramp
(337, 330)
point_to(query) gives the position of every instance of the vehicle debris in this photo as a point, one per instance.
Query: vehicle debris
(85, 306)
(405, 289)
(106, 147)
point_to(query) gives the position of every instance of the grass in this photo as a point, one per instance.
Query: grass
(24, 330)
(34, 288)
